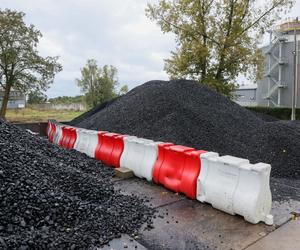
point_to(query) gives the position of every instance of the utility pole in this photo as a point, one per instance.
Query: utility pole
(293, 115)
(269, 66)
(297, 75)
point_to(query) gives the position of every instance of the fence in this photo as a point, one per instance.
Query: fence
(50, 106)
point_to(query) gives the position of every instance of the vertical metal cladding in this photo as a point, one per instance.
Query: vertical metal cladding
(235, 186)
(110, 148)
(177, 168)
(139, 155)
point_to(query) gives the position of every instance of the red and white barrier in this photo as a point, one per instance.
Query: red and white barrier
(49, 127)
(68, 138)
(110, 148)
(230, 184)
(51, 131)
(92, 142)
(82, 140)
(235, 186)
(139, 155)
(177, 168)
(58, 134)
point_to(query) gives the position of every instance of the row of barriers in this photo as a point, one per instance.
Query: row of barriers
(228, 183)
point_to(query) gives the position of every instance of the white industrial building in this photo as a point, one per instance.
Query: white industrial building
(17, 99)
(278, 85)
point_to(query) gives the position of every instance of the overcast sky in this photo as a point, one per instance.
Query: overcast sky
(113, 32)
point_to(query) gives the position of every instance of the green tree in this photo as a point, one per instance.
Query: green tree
(123, 90)
(216, 39)
(98, 84)
(21, 66)
(36, 97)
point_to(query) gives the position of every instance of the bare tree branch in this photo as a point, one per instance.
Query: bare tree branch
(192, 35)
(262, 16)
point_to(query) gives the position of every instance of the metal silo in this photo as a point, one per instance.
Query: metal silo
(277, 86)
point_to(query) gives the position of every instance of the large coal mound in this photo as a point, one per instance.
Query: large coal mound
(52, 198)
(185, 112)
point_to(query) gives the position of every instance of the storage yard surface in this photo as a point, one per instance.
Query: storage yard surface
(54, 198)
(181, 223)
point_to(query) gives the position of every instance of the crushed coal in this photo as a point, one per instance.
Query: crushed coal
(187, 113)
(51, 198)
(93, 111)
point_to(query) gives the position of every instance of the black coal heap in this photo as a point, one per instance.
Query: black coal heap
(187, 113)
(52, 198)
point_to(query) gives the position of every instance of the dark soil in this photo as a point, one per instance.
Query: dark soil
(184, 112)
(51, 198)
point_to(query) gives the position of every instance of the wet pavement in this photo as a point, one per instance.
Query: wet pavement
(181, 223)
(285, 237)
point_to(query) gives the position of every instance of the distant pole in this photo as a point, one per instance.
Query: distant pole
(269, 67)
(293, 116)
(297, 80)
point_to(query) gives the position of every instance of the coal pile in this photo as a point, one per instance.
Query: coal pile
(93, 111)
(51, 198)
(186, 113)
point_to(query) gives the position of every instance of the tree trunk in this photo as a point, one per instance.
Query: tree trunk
(5, 100)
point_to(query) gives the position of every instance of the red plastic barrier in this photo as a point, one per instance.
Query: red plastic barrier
(109, 149)
(64, 136)
(73, 137)
(68, 138)
(160, 159)
(177, 168)
(52, 131)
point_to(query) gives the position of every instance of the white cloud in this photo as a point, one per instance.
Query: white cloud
(112, 32)
(49, 46)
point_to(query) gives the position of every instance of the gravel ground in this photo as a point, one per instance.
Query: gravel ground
(51, 198)
(184, 112)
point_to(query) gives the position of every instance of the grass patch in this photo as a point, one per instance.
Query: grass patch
(34, 115)
(280, 113)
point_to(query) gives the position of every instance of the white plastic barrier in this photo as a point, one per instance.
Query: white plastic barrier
(58, 133)
(139, 155)
(88, 142)
(235, 186)
(82, 141)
